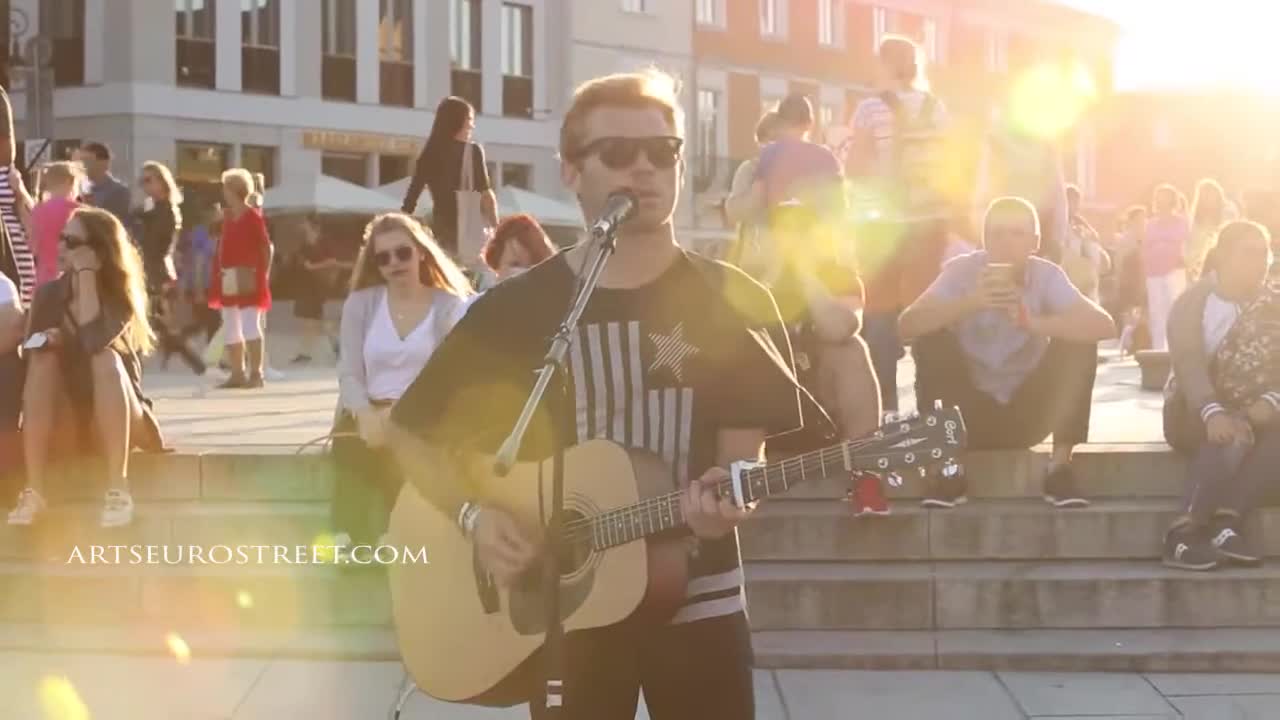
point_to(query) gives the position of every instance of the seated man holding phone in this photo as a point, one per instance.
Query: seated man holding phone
(1009, 339)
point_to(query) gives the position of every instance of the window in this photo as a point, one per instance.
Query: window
(880, 26)
(338, 73)
(931, 39)
(708, 138)
(517, 60)
(769, 20)
(395, 52)
(260, 159)
(464, 47)
(636, 6)
(711, 12)
(196, 35)
(517, 175)
(352, 167)
(392, 168)
(260, 46)
(64, 22)
(202, 162)
(827, 22)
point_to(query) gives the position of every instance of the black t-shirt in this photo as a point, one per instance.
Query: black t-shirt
(440, 170)
(662, 368)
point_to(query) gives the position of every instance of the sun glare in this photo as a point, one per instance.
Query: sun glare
(1193, 46)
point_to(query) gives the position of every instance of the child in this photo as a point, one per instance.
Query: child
(60, 181)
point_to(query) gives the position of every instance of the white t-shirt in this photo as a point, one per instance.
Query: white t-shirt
(391, 363)
(8, 291)
(1219, 316)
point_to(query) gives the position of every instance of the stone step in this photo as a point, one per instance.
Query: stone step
(256, 473)
(1255, 650)
(963, 595)
(371, 643)
(69, 528)
(212, 596)
(987, 529)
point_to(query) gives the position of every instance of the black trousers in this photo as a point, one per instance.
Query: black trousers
(691, 671)
(366, 485)
(1235, 478)
(1054, 399)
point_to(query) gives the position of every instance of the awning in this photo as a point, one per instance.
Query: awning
(511, 201)
(326, 194)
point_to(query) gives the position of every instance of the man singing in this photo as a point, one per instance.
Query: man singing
(675, 354)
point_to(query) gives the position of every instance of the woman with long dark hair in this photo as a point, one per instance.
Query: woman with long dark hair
(406, 295)
(88, 329)
(1222, 407)
(440, 169)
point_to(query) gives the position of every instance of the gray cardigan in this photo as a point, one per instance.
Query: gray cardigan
(1190, 382)
(357, 317)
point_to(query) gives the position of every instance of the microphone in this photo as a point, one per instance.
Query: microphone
(619, 208)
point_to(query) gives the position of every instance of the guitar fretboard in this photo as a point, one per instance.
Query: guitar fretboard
(665, 512)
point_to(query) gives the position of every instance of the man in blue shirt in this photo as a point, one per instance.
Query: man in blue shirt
(104, 190)
(1007, 337)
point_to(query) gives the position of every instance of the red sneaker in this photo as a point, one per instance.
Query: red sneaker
(867, 497)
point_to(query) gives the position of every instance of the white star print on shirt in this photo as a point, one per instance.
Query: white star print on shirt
(671, 350)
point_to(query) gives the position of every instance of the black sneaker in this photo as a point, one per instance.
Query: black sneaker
(1231, 545)
(947, 489)
(1186, 550)
(1060, 489)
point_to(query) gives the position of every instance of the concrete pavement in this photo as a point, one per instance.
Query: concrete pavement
(103, 687)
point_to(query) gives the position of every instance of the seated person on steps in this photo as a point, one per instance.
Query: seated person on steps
(1005, 336)
(1222, 402)
(86, 375)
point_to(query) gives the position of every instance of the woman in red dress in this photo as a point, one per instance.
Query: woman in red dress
(239, 280)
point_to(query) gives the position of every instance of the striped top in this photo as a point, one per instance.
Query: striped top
(23, 257)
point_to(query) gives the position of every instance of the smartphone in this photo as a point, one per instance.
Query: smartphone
(1005, 273)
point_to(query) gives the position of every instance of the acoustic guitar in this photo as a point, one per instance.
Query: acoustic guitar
(465, 639)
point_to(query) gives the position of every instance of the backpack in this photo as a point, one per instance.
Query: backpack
(914, 183)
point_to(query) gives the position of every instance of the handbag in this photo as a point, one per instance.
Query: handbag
(472, 231)
(237, 280)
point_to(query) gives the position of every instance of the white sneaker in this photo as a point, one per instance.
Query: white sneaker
(29, 505)
(118, 509)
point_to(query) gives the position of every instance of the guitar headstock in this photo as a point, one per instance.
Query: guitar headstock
(913, 442)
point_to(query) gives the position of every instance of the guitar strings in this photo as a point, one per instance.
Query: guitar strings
(588, 528)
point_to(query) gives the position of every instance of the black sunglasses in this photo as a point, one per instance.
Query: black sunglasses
(404, 253)
(71, 241)
(620, 153)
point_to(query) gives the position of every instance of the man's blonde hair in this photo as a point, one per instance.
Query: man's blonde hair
(645, 89)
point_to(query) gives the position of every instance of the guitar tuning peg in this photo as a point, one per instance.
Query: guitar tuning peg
(937, 404)
(890, 416)
(894, 479)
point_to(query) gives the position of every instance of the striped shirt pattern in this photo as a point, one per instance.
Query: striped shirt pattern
(630, 386)
(23, 257)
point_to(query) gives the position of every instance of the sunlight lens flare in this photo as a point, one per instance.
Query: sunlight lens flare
(1047, 100)
(60, 701)
(244, 600)
(181, 651)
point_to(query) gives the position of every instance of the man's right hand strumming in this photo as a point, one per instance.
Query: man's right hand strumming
(505, 550)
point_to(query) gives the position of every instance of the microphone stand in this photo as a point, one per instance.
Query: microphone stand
(603, 243)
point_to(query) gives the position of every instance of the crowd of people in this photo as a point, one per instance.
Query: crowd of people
(846, 258)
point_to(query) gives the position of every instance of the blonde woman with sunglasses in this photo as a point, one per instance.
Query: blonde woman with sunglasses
(406, 295)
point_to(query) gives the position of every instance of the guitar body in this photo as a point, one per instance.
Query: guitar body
(463, 639)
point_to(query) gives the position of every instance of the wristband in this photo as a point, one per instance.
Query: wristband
(467, 515)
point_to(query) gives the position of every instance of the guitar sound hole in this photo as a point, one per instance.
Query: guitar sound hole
(574, 553)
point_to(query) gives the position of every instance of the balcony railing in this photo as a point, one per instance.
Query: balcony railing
(260, 70)
(196, 63)
(467, 84)
(517, 96)
(338, 78)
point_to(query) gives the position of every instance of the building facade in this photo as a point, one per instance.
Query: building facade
(294, 88)
(749, 54)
